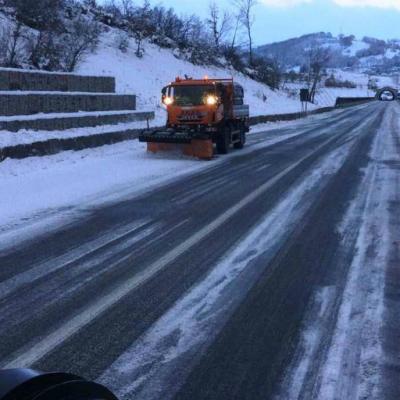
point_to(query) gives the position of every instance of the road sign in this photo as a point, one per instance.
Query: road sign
(304, 95)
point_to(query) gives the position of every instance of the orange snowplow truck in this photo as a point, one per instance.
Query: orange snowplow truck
(201, 113)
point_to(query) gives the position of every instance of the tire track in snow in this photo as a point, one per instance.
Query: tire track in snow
(353, 369)
(247, 359)
(350, 366)
(74, 256)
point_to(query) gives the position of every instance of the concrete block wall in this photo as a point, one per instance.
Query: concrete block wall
(12, 79)
(25, 95)
(28, 104)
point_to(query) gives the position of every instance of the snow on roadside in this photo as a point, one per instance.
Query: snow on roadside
(41, 191)
(66, 183)
(30, 136)
(353, 368)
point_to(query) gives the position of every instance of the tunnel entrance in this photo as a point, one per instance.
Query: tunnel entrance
(387, 94)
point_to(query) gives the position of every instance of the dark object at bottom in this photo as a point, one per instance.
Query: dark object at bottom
(27, 384)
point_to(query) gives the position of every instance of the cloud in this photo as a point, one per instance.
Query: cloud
(369, 3)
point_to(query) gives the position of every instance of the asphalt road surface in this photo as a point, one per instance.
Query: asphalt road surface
(271, 274)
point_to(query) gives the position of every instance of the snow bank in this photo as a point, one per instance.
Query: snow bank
(30, 136)
(39, 187)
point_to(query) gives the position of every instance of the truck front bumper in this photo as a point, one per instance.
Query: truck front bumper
(171, 136)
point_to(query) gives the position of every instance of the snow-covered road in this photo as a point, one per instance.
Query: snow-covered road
(355, 362)
(269, 273)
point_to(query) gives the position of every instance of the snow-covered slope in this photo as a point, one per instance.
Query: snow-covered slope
(326, 96)
(146, 76)
(367, 54)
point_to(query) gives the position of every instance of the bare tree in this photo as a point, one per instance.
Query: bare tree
(318, 58)
(246, 8)
(235, 31)
(219, 24)
(11, 45)
(82, 38)
(127, 8)
(4, 38)
(44, 50)
(38, 14)
(139, 23)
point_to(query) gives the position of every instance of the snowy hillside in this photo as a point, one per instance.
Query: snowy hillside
(367, 54)
(146, 76)
(327, 96)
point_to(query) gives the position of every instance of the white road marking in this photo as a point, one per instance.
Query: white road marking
(34, 352)
(263, 167)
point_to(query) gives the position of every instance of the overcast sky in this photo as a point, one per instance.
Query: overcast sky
(283, 19)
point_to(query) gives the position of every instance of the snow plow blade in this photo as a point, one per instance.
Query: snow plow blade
(164, 137)
(158, 141)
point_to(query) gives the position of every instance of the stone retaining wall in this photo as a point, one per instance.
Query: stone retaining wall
(27, 104)
(22, 80)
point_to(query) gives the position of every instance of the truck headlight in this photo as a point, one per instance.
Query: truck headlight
(211, 100)
(168, 101)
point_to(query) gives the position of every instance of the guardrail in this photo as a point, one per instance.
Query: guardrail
(261, 119)
(352, 101)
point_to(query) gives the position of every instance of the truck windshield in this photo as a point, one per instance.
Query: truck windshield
(192, 95)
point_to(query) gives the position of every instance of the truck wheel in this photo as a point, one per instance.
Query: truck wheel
(240, 144)
(224, 141)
